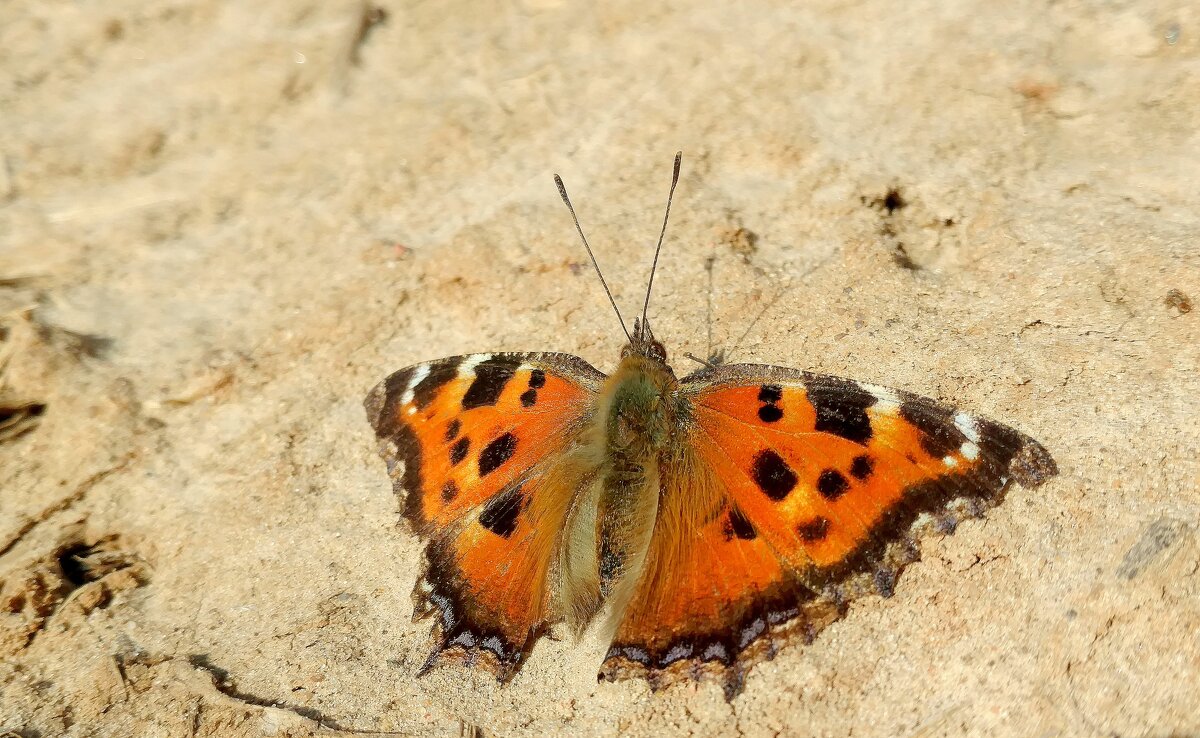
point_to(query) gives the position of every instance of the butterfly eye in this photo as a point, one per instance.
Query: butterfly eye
(658, 351)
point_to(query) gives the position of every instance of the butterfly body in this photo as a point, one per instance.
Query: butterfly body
(630, 431)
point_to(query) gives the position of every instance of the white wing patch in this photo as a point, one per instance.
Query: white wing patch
(467, 367)
(886, 400)
(967, 426)
(419, 374)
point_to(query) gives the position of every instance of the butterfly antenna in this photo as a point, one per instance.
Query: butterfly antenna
(708, 317)
(567, 201)
(770, 304)
(663, 232)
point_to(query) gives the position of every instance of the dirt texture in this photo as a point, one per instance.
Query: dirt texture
(222, 223)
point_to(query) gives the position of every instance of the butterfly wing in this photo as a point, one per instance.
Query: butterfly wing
(825, 485)
(476, 446)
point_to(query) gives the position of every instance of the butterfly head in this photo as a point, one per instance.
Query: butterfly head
(643, 343)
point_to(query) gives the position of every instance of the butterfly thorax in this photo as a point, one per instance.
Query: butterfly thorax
(637, 411)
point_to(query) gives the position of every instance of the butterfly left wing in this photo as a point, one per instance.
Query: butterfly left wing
(823, 486)
(477, 450)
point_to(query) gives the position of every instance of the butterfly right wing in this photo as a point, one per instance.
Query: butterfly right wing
(477, 447)
(795, 493)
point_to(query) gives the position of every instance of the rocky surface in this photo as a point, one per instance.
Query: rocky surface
(220, 224)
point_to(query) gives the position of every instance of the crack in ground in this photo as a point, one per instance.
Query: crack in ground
(77, 495)
(224, 684)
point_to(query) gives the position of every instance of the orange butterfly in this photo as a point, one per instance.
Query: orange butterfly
(706, 518)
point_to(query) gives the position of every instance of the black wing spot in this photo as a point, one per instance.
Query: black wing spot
(813, 530)
(497, 453)
(529, 398)
(491, 377)
(862, 467)
(832, 485)
(439, 375)
(737, 525)
(769, 413)
(501, 513)
(537, 379)
(770, 393)
(453, 429)
(772, 475)
(841, 407)
(459, 450)
(449, 491)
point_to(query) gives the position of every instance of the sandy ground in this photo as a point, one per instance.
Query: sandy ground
(220, 224)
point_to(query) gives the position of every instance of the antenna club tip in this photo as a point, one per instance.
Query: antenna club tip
(562, 192)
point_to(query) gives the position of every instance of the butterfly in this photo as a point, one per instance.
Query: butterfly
(695, 524)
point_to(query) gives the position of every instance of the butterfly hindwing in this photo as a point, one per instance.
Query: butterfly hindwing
(711, 589)
(833, 478)
(473, 445)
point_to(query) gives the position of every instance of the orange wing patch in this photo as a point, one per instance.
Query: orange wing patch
(467, 442)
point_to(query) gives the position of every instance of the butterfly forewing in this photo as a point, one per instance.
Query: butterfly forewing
(833, 468)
